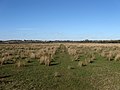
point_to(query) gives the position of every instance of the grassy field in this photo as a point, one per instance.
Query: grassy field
(71, 67)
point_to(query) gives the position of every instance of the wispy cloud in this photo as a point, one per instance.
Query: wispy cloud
(24, 28)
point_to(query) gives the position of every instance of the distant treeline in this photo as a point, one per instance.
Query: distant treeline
(57, 41)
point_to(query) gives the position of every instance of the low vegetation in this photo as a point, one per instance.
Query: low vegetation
(60, 66)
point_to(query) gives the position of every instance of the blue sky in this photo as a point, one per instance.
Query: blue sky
(59, 19)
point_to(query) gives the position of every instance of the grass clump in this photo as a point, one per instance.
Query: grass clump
(20, 63)
(80, 63)
(70, 67)
(57, 74)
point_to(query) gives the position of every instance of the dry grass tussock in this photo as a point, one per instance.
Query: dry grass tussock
(15, 52)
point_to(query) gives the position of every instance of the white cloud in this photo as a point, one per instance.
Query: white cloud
(24, 28)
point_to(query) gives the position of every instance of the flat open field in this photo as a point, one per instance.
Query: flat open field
(60, 66)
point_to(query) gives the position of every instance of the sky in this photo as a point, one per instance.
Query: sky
(59, 19)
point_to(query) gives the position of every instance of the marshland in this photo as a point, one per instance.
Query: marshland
(60, 66)
(59, 44)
